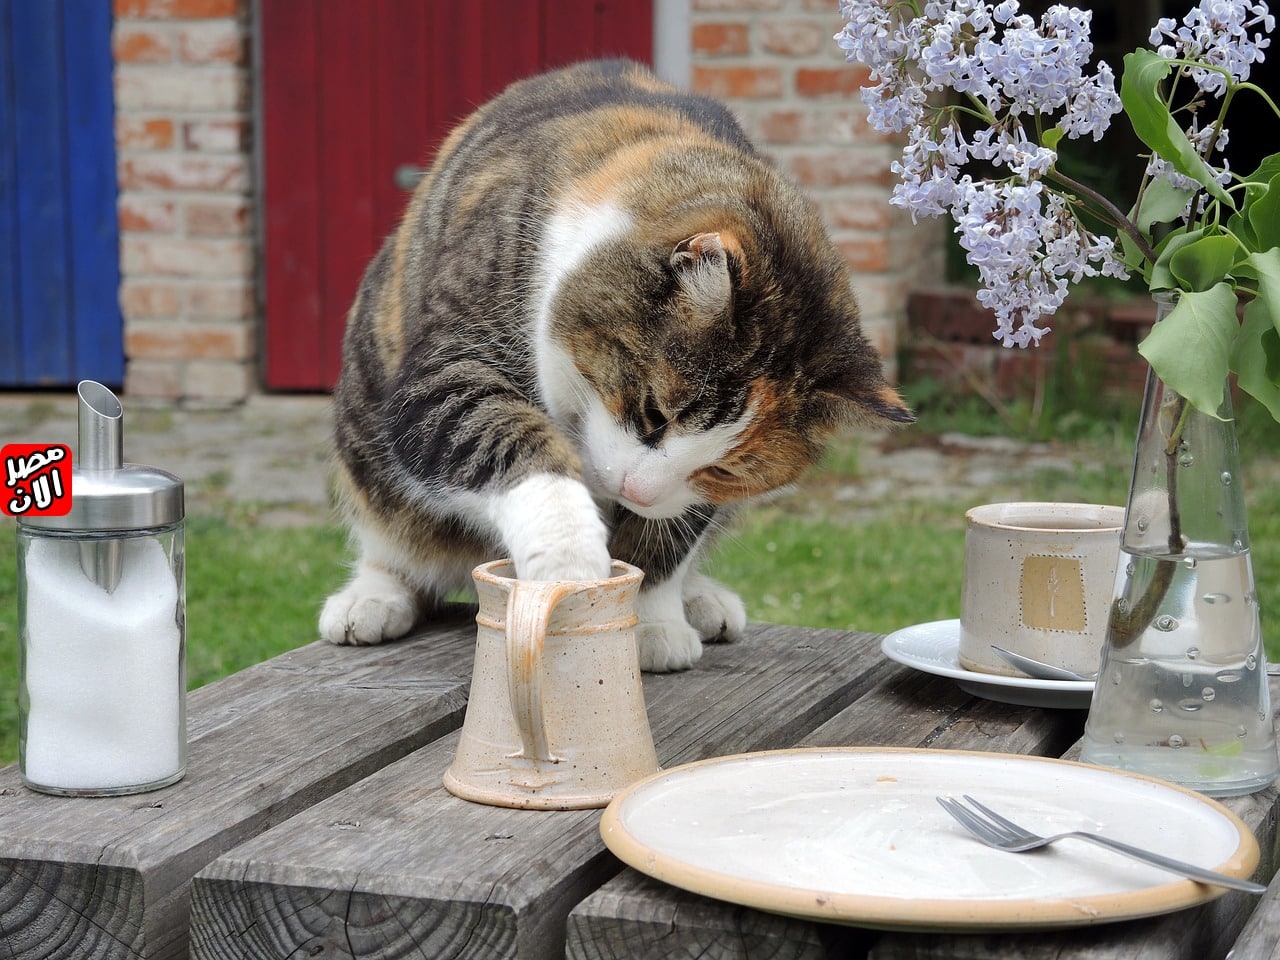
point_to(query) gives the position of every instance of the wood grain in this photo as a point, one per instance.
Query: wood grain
(427, 874)
(110, 877)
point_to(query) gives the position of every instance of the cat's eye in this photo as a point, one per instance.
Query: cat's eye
(715, 472)
(654, 418)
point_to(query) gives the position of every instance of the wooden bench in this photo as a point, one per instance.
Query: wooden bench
(312, 822)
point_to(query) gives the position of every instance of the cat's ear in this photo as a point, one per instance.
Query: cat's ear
(701, 264)
(871, 403)
(887, 404)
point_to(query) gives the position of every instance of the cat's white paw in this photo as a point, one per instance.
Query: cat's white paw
(712, 609)
(667, 645)
(553, 529)
(665, 640)
(373, 607)
(584, 560)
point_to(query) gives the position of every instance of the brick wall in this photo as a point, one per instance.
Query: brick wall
(776, 65)
(184, 160)
(186, 171)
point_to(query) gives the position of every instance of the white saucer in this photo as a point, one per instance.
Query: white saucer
(934, 648)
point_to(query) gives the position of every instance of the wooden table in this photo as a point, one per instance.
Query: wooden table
(312, 823)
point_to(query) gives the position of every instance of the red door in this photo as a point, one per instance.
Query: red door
(354, 91)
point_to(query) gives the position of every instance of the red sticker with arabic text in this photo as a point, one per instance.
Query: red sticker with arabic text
(37, 479)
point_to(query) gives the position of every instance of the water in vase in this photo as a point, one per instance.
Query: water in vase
(1196, 709)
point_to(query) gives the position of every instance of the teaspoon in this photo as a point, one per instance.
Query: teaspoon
(1047, 671)
(1038, 670)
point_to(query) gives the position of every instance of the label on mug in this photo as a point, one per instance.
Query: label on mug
(1052, 594)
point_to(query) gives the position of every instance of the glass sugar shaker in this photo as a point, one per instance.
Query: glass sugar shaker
(102, 622)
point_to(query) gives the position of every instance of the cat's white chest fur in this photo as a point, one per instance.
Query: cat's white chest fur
(569, 237)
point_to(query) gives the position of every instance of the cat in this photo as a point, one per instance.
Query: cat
(604, 322)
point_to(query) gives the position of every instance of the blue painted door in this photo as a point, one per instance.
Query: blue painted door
(60, 315)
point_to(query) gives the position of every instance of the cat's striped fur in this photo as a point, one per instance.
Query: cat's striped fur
(604, 320)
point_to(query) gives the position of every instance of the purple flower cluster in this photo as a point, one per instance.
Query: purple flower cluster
(1022, 231)
(1216, 33)
(1022, 237)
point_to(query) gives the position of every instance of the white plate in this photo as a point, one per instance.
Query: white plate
(854, 835)
(935, 648)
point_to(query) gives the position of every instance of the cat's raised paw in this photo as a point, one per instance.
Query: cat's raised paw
(712, 609)
(668, 645)
(373, 607)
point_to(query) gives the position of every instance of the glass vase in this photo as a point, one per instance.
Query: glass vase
(1182, 689)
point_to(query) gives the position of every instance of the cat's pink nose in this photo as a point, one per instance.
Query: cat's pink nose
(638, 492)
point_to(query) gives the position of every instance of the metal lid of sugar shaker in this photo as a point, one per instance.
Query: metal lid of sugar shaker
(106, 493)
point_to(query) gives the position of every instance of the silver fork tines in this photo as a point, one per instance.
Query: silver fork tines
(1003, 834)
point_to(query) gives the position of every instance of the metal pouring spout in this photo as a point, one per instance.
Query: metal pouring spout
(100, 422)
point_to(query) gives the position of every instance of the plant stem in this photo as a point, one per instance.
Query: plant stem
(1262, 93)
(1128, 621)
(1118, 218)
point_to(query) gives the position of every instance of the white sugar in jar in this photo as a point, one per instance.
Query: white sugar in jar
(102, 622)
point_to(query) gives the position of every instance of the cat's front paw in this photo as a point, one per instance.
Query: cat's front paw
(373, 607)
(712, 609)
(553, 529)
(667, 645)
(585, 560)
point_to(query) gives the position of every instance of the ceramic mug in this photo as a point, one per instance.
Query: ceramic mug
(1038, 579)
(556, 719)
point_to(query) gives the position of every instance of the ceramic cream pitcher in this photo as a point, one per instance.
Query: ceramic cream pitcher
(556, 718)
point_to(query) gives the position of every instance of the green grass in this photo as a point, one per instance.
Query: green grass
(904, 567)
(254, 592)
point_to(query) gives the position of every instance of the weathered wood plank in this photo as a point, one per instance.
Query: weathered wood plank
(632, 917)
(1202, 933)
(638, 918)
(109, 877)
(395, 866)
(1260, 938)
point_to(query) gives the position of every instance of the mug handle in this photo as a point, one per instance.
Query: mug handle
(529, 609)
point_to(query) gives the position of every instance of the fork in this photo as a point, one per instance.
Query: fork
(1003, 834)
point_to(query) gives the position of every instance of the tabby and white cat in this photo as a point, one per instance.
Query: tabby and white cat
(604, 320)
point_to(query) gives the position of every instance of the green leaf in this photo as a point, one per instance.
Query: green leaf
(1203, 263)
(1264, 215)
(1051, 138)
(1267, 169)
(1255, 356)
(1162, 202)
(1134, 259)
(1162, 277)
(1238, 226)
(1144, 70)
(1265, 265)
(1190, 349)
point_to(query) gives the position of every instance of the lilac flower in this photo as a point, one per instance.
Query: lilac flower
(1216, 32)
(1092, 105)
(1021, 228)
(1013, 230)
(1026, 244)
(929, 172)
(1038, 68)
(949, 55)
